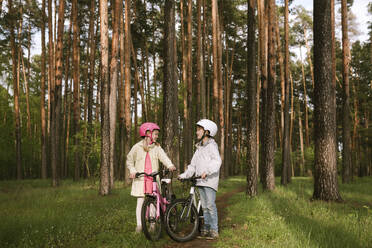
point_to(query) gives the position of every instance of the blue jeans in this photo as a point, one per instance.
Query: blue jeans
(208, 198)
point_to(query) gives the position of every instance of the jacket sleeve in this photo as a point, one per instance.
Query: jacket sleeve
(215, 162)
(164, 158)
(131, 158)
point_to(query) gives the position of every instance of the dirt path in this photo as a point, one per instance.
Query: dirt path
(222, 203)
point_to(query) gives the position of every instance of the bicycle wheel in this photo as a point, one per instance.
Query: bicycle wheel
(151, 224)
(182, 221)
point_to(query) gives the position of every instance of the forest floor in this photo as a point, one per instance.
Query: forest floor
(33, 214)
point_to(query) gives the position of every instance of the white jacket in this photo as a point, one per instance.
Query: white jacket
(207, 160)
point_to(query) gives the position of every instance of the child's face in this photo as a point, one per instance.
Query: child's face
(155, 135)
(199, 132)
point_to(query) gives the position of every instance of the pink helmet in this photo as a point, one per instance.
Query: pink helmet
(148, 126)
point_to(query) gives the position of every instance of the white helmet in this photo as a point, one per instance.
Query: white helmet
(208, 125)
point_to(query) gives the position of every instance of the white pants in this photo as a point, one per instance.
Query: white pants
(140, 201)
(138, 210)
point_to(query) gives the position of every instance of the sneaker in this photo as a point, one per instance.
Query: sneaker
(203, 234)
(212, 235)
(138, 229)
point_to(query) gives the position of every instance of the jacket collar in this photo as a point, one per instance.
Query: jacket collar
(149, 146)
(201, 144)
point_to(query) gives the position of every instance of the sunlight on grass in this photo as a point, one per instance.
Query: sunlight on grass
(287, 218)
(33, 214)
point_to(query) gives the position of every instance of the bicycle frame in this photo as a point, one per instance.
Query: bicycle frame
(161, 202)
(192, 200)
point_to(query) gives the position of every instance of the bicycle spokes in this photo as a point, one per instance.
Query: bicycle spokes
(182, 221)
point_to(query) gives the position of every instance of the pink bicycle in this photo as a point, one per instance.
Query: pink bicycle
(155, 206)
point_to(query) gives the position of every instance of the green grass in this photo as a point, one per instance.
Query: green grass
(33, 214)
(287, 218)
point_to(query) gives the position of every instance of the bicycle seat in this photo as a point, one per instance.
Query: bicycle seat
(166, 180)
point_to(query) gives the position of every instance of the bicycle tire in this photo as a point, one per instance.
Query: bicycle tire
(178, 228)
(151, 225)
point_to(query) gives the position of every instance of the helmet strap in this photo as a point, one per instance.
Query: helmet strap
(151, 139)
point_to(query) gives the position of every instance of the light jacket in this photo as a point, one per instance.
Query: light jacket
(136, 163)
(206, 159)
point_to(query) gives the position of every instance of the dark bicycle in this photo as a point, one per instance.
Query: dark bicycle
(184, 217)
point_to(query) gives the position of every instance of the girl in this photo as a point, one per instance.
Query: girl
(206, 162)
(144, 157)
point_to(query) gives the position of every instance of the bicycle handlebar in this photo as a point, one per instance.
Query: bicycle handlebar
(190, 178)
(153, 174)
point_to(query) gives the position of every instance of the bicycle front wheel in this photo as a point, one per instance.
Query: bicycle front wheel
(182, 221)
(151, 223)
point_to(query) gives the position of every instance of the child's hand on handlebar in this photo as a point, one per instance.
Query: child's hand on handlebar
(132, 175)
(204, 175)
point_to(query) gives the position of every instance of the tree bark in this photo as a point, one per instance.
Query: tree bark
(251, 188)
(302, 162)
(113, 88)
(122, 140)
(55, 146)
(309, 57)
(286, 155)
(76, 78)
(347, 174)
(127, 85)
(325, 175)
(16, 92)
(307, 138)
(139, 83)
(200, 64)
(262, 87)
(105, 114)
(170, 87)
(92, 53)
(269, 127)
(43, 140)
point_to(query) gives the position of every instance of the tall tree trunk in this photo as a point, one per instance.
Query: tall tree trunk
(127, 86)
(307, 138)
(55, 144)
(200, 64)
(189, 82)
(27, 96)
(286, 155)
(122, 139)
(262, 87)
(269, 127)
(186, 158)
(325, 175)
(347, 174)
(66, 109)
(355, 157)
(140, 83)
(309, 57)
(251, 189)
(113, 88)
(76, 78)
(221, 119)
(43, 140)
(16, 92)
(282, 76)
(105, 117)
(302, 162)
(92, 53)
(170, 87)
(215, 59)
